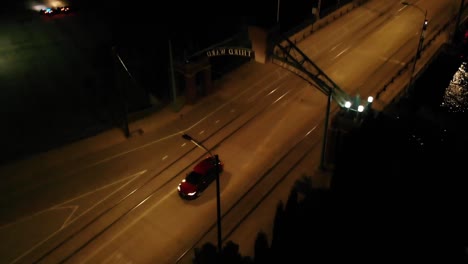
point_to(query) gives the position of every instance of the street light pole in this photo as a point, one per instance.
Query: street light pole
(122, 92)
(420, 43)
(218, 205)
(171, 69)
(277, 12)
(325, 133)
(218, 193)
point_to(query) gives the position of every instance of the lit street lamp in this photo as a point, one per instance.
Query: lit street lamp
(355, 106)
(421, 40)
(218, 196)
(358, 106)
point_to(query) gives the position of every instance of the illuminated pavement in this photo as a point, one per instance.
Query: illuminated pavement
(86, 151)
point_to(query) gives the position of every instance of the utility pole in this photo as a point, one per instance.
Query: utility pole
(122, 93)
(325, 132)
(215, 157)
(420, 42)
(277, 12)
(171, 69)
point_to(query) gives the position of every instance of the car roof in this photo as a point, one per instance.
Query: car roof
(193, 178)
(204, 166)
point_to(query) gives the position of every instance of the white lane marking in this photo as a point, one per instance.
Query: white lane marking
(165, 157)
(141, 216)
(190, 127)
(201, 132)
(124, 229)
(281, 97)
(310, 131)
(183, 144)
(68, 220)
(62, 206)
(272, 91)
(339, 54)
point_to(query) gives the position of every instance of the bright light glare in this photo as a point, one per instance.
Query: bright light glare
(370, 99)
(57, 3)
(347, 104)
(38, 6)
(360, 108)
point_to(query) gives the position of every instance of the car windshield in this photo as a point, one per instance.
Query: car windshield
(193, 177)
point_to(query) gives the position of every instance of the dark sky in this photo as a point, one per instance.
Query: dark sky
(203, 19)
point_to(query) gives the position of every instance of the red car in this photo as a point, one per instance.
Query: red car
(199, 178)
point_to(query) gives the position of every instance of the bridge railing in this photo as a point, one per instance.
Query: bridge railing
(289, 55)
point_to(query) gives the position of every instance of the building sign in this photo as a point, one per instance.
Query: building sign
(223, 51)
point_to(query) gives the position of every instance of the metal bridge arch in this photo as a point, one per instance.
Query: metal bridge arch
(270, 47)
(279, 49)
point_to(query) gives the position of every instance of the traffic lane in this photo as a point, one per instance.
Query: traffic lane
(390, 42)
(150, 175)
(181, 218)
(25, 237)
(356, 68)
(388, 49)
(69, 163)
(255, 216)
(203, 154)
(395, 44)
(330, 42)
(273, 154)
(245, 234)
(151, 152)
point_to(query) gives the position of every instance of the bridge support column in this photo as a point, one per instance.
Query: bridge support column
(197, 74)
(259, 39)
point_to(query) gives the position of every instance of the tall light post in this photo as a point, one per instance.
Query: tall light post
(171, 69)
(123, 94)
(277, 12)
(218, 195)
(421, 40)
(325, 132)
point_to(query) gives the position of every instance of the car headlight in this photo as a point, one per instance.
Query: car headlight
(191, 194)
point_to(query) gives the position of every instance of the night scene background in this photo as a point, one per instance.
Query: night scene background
(74, 96)
(60, 72)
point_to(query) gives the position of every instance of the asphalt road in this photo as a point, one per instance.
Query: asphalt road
(120, 204)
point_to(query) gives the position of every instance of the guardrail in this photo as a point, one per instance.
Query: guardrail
(403, 69)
